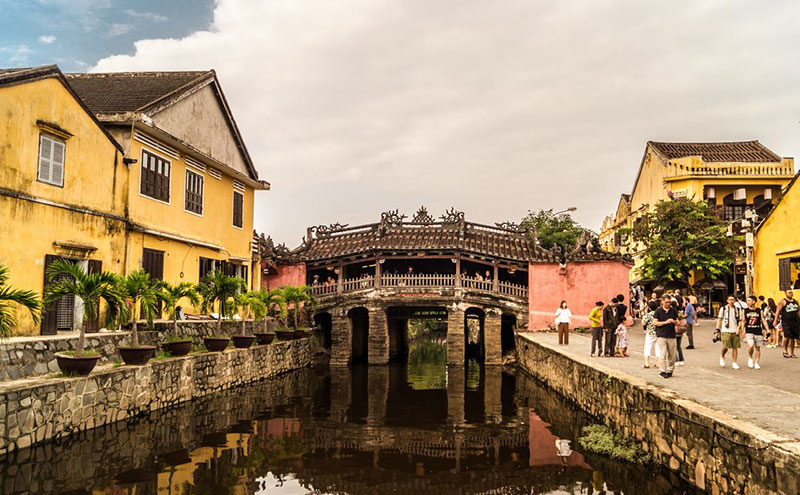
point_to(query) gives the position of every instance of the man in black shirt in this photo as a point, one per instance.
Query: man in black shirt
(610, 322)
(664, 320)
(755, 327)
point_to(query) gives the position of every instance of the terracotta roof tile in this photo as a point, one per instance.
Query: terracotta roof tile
(735, 151)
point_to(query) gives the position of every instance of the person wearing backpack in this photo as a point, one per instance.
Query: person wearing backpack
(729, 326)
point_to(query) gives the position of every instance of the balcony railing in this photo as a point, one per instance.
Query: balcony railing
(422, 282)
(678, 170)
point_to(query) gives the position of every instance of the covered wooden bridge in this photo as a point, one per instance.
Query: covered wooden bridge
(371, 279)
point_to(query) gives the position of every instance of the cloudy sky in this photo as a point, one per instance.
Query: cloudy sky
(353, 107)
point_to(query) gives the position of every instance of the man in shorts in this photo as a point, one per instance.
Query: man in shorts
(729, 324)
(789, 315)
(755, 328)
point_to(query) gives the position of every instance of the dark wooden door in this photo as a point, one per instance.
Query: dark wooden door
(50, 313)
(93, 324)
(153, 265)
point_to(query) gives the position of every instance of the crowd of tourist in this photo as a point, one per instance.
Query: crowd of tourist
(669, 319)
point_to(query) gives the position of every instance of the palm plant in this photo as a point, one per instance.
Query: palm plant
(90, 288)
(11, 297)
(218, 288)
(171, 295)
(275, 304)
(140, 291)
(298, 297)
(248, 303)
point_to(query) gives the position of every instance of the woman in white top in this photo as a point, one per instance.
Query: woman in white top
(563, 316)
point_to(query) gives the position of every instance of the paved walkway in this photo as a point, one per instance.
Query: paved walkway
(768, 398)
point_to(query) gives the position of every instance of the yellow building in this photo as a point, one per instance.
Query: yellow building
(122, 171)
(776, 254)
(731, 176)
(191, 188)
(55, 159)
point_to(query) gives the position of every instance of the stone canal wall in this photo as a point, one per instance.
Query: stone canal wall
(35, 356)
(716, 452)
(34, 411)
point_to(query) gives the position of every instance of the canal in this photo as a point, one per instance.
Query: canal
(417, 428)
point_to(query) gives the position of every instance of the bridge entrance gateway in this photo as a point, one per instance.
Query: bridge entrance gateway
(370, 280)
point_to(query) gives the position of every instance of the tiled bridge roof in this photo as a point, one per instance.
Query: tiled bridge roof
(423, 233)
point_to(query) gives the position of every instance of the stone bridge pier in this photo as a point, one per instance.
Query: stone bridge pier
(376, 332)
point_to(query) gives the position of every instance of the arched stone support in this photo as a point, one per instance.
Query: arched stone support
(341, 334)
(378, 336)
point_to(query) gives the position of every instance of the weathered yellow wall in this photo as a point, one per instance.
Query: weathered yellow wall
(778, 237)
(215, 226)
(92, 180)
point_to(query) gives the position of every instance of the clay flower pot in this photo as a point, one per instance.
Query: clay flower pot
(136, 356)
(265, 338)
(243, 341)
(178, 347)
(283, 336)
(77, 365)
(216, 344)
(300, 334)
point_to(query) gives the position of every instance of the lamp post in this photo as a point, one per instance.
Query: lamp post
(571, 208)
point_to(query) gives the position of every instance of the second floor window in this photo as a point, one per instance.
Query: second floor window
(238, 209)
(155, 177)
(194, 192)
(51, 160)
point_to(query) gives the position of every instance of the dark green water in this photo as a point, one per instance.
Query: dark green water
(418, 428)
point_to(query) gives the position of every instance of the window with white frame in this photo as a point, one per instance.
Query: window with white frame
(194, 192)
(51, 160)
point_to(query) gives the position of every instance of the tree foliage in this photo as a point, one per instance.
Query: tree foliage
(681, 236)
(9, 299)
(555, 230)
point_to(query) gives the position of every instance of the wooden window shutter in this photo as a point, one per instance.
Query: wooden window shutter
(49, 313)
(57, 163)
(238, 209)
(785, 273)
(93, 325)
(45, 150)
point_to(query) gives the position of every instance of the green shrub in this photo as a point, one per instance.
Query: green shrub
(161, 356)
(601, 440)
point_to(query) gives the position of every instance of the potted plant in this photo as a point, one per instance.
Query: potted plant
(170, 295)
(276, 307)
(216, 287)
(299, 298)
(284, 334)
(244, 302)
(90, 289)
(141, 293)
(8, 295)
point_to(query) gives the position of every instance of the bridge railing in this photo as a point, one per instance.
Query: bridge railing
(354, 284)
(324, 290)
(513, 289)
(406, 280)
(477, 283)
(422, 281)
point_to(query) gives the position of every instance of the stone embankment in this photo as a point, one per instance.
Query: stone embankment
(28, 357)
(37, 410)
(715, 451)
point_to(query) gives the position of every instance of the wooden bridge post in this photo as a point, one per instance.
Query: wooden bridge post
(377, 272)
(340, 278)
(496, 280)
(458, 270)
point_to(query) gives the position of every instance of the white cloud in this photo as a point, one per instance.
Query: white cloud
(17, 55)
(46, 39)
(117, 29)
(147, 16)
(352, 107)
